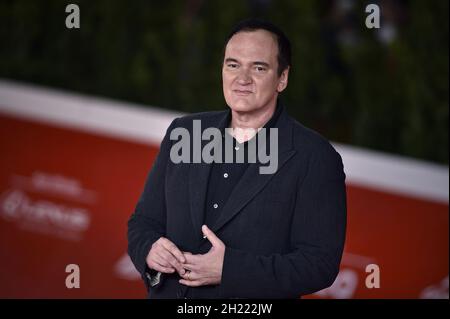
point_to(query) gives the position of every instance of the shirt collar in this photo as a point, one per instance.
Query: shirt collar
(269, 124)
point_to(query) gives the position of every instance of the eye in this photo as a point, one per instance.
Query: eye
(260, 68)
(232, 65)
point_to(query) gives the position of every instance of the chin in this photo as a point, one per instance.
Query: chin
(241, 105)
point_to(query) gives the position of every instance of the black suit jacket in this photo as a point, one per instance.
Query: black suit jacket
(284, 232)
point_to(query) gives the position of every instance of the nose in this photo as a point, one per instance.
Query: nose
(244, 77)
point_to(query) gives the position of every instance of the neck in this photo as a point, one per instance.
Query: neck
(246, 124)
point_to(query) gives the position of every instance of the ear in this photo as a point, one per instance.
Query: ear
(283, 81)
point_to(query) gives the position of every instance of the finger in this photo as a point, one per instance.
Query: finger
(155, 266)
(159, 266)
(171, 260)
(192, 267)
(160, 260)
(173, 250)
(191, 275)
(164, 270)
(213, 239)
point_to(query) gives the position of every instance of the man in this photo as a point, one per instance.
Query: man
(226, 230)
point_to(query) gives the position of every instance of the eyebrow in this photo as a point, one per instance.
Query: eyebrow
(231, 60)
(261, 63)
(227, 60)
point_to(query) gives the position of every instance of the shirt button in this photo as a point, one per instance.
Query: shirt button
(225, 175)
(215, 205)
(236, 148)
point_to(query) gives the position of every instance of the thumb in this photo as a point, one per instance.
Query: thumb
(213, 239)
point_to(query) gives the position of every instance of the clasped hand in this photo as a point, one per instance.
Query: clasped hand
(194, 269)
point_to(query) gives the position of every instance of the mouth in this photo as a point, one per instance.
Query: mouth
(242, 92)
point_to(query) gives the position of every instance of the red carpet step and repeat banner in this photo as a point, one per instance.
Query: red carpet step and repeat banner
(72, 168)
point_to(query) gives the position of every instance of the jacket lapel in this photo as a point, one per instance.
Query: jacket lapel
(198, 187)
(199, 178)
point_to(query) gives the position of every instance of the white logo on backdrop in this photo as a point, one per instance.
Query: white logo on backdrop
(125, 269)
(54, 185)
(24, 205)
(43, 216)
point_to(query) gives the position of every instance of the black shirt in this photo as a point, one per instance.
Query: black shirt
(225, 176)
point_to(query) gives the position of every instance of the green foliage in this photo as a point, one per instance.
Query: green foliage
(386, 96)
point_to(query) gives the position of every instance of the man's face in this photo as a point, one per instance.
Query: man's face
(249, 73)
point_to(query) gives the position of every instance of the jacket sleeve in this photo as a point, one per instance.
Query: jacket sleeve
(317, 239)
(148, 222)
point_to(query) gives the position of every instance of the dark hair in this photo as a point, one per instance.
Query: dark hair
(284, 46)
